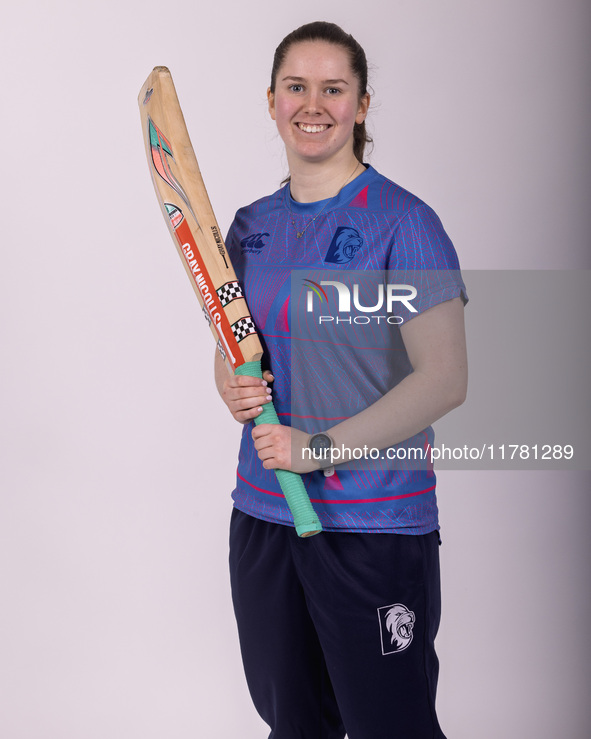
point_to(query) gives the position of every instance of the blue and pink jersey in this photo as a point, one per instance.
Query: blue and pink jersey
(330, 364)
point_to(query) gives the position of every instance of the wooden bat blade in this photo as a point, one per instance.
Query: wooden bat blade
(182, 195)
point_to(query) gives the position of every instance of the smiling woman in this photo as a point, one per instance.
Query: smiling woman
(316, 103)
(337, 632)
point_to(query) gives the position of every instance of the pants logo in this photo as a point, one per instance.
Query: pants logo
(396, 625)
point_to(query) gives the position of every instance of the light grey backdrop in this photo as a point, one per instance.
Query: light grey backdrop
(118, 458)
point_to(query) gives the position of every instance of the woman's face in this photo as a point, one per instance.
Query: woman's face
(316, 103)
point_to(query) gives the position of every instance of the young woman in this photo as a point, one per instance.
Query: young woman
(337, 631)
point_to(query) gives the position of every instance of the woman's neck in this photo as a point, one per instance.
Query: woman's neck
(314, 182)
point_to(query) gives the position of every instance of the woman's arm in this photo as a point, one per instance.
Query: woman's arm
(436, 347)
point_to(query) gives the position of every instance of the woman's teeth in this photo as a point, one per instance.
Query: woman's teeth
(311, 129)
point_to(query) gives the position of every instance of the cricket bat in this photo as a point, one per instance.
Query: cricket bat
(188, 213)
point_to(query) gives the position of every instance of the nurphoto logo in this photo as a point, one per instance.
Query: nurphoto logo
(388, 296)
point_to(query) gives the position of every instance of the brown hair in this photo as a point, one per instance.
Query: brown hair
(333, 34)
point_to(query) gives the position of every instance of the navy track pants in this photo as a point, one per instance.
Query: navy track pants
(337, 631)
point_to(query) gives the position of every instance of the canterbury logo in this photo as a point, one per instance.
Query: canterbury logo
(253, 242)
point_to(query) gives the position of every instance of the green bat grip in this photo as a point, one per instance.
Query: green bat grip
(304, 516)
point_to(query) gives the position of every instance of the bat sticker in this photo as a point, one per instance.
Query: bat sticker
(229, 292)
(220, 244)
(161, 148)
(175, 214)
(213, 300)
(206, 315)
(243, 328)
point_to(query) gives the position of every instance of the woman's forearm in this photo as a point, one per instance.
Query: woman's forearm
(436, 346)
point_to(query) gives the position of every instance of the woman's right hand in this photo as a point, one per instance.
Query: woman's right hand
(245, 395)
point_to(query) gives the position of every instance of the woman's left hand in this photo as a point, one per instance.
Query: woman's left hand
(281, 448)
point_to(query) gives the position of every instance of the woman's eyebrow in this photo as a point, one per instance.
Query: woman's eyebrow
(324, 82)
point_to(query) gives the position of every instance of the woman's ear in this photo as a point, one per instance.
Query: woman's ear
(271, 102)
(363, 108)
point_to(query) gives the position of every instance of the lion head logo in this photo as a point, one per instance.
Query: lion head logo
(345, 244)
(398, 624)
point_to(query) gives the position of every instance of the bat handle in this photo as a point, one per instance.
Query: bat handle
(304, 516)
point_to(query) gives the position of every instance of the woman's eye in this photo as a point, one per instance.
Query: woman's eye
(333, 90)
(296, 88)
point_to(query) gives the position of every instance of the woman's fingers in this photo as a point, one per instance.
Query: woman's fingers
(273, 445)
(245, 396)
